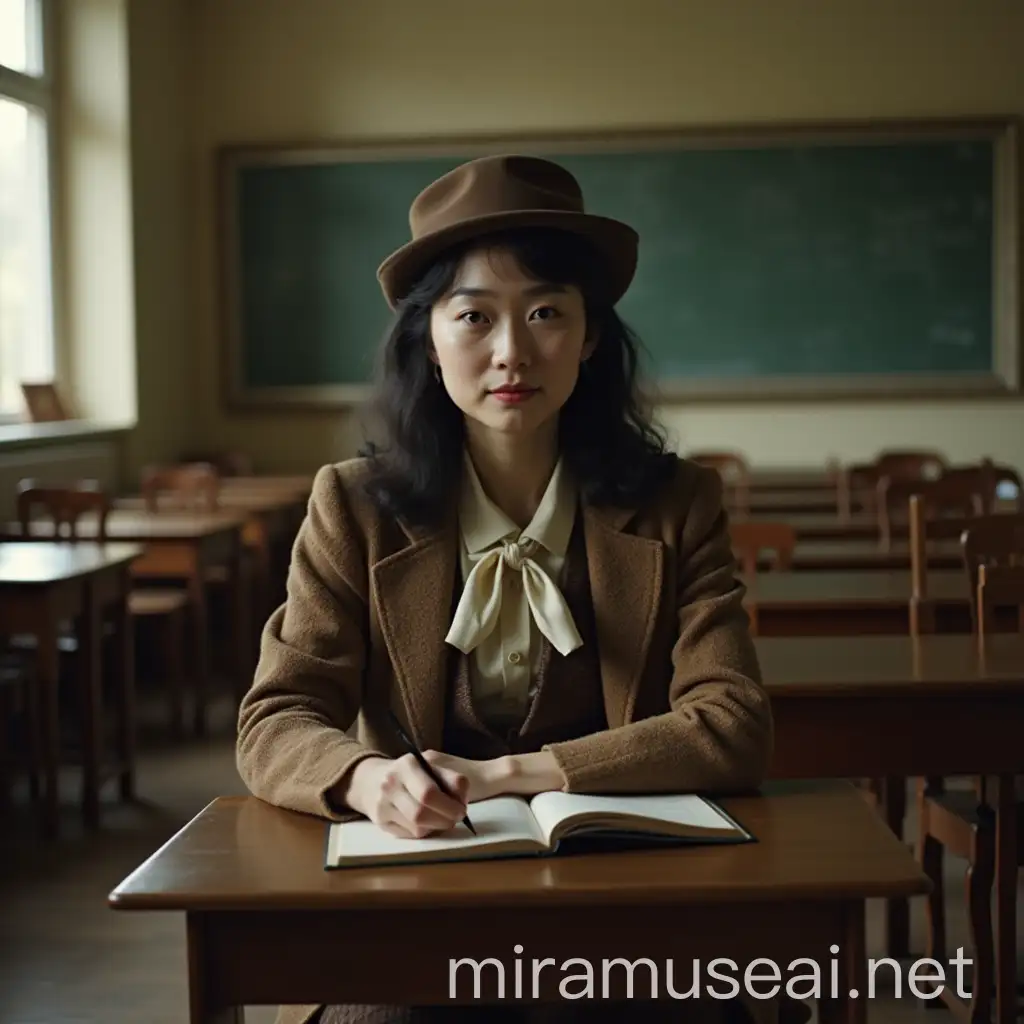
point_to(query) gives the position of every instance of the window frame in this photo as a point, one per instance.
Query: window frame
(40, 92)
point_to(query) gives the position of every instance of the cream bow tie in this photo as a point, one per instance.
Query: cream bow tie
(478, 608)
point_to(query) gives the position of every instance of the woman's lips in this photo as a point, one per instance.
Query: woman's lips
(515, 396)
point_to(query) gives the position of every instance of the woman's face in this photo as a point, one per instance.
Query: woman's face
(509, 347)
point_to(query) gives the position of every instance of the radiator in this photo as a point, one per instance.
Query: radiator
(57, 466)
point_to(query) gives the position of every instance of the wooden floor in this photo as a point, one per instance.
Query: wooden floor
(66, 959)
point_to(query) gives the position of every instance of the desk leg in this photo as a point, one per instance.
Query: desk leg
(851, 960)
(1006, 901)
(202, 1008)
(855, 966)
(92, 707)
(897, 921)
(201, 626)
(124, 674)
(49, 713)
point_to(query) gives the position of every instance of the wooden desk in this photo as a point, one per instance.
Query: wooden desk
(854, 555)
(821, 479)
(854, 603)
(822, 526)
(849, 707)
(43, 585)
(775, 503)
(184, 546)
(268, 925)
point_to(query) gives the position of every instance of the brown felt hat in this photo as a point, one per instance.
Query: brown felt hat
(496, 192)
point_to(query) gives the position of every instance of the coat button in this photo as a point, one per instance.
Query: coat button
(515, 657)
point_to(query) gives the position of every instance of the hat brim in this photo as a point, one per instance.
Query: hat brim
(617, 244)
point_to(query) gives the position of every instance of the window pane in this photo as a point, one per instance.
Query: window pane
(21, 35)
(26, 332)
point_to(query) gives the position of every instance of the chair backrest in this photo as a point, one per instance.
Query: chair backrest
(1007, 486)
(735, 473)
(750, 537)
(994, 559)
(922, 464)
(998, 586)
(192, 486)
(859, 487)
(995, 540)
(64, 507)
(228, 463)
(964, 491)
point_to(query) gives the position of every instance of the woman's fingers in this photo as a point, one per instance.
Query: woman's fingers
(425, 790)
(416, 818)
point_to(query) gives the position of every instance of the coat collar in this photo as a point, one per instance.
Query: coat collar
(413, 591)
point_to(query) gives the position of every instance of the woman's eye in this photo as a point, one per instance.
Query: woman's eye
(549, 313)
(472, 316)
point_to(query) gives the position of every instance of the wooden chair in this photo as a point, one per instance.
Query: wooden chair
(859, 489)
(735, 473)
(749, 539)
(962, 492)
(961, 821)
(66, 507)
(190, 487)
(227, 464)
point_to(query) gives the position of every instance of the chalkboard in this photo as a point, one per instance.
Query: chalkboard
(846, 262)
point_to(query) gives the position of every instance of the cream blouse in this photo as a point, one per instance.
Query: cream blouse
(510, 596)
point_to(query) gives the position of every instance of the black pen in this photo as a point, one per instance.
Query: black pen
(426, 767)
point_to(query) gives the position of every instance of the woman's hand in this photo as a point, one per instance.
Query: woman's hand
(399, 796)
(484, 778)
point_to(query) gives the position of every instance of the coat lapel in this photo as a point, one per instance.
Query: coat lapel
(626, 574)
(412, 592)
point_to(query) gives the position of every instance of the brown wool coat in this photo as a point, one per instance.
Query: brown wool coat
(369, 604)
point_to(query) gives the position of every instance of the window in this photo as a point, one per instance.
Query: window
(26, 137)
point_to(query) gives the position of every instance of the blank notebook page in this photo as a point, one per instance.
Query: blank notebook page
(684, 809)
(496, 819)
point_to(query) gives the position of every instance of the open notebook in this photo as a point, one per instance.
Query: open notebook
(511, 826)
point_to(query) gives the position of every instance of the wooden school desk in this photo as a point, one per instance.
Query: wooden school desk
(864, 554)
(266, 924)
(185, 546)
(877, 707)
(856, 603)
(42, 586)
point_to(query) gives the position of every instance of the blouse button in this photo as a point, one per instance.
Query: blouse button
(515, 657)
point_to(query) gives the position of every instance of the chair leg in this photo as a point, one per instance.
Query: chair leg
(980, 879)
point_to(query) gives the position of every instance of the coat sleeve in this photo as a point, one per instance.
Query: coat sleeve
(718, 733)
(292, 745)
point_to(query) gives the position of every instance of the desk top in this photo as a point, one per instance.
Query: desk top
(814, 840)
(253, 502)
(139, 525)
(845, 555)
(834, 591)
(297, 486)
(40, 563)
(828, 666)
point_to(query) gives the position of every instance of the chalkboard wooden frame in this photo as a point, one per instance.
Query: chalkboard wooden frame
(1004, 379)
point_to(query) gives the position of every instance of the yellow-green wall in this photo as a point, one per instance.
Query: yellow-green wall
(284, 70)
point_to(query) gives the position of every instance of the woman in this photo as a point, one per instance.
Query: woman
(542, 594)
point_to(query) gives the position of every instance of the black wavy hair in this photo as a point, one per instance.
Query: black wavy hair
(608, 442)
